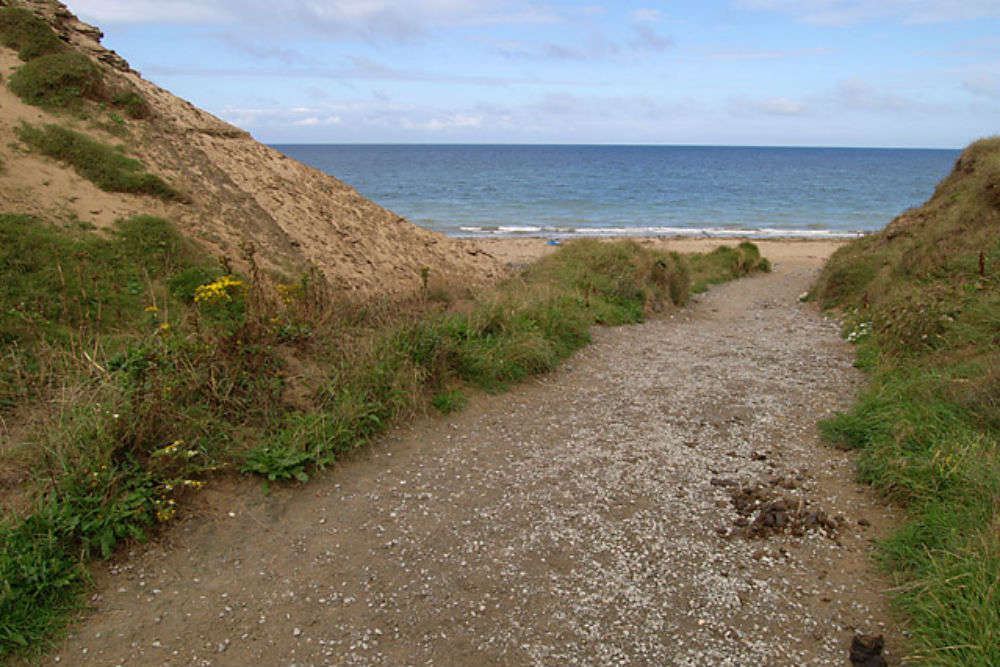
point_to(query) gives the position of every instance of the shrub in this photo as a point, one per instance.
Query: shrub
(107, 167)
(725, 263)
(59, 81)
(133, 103)
(32, 37)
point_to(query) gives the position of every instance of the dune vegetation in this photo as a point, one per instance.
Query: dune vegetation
(921, 300)
(137, 368)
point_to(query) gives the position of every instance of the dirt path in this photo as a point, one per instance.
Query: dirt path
(585, 518)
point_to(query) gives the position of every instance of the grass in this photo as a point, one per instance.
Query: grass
(132, 103)
(105, 166)
(922, 301)
(167, 369)
(725, 263)
(59, 81)
(56, 79)
(32, 37)
(60, 288)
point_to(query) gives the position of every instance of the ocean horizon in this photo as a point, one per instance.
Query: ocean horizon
(580, 190)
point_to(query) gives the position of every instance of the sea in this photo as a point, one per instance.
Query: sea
(572, 191)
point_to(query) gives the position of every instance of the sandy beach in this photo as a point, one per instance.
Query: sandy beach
(516, 252)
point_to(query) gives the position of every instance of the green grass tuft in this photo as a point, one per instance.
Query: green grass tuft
(107, 167)
(59, 81)
(725, 263)
(451, 400)
(133, 104)
(32, 37)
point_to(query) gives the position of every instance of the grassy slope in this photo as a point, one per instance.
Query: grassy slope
(170, 371)
(922, 301)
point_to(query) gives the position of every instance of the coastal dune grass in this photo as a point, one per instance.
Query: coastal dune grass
(106, 166)
(922, 301)
(59, 81)
(170, 369)
(32, 37)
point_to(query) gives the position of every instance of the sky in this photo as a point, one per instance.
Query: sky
(906, 73)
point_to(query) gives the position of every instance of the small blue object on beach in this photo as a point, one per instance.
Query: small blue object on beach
(555, 242)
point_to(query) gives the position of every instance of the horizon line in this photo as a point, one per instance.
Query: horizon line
(609, 145)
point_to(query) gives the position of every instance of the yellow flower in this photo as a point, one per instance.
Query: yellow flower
(164, 327)
(152, 309)
(220, 290)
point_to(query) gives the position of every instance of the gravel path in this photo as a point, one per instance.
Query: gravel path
(607, 514)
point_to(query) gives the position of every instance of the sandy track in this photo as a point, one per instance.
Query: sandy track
(584, 518)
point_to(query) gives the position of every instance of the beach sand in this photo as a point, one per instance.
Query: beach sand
(802, 253)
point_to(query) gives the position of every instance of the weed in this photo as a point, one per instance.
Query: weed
(449, 401)
(107, 167)
(32, 37)
(725, 263)
(134, 104)
(114, 124)
(59, 81)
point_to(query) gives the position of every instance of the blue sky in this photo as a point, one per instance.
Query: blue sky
(922, 73)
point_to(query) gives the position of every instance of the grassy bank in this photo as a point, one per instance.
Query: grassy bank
(136, 368)
(922, 301)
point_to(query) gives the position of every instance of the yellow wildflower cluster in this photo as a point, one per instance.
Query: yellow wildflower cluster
(152, 309)
(166, 511)
(289, 292)
(220, 290)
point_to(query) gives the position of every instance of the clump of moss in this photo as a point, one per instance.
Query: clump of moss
(59, 81)
(106, 166)
(31, 36)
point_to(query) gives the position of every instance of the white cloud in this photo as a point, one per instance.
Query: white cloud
(858, 94)
(770, 106)
(370, 19)
(453, 121)
(357, 68)
(776, 54)
(849, 12)
(647, 39)
(317, 120)
(647, 15)
(151, 11)
(986, 85)
(781, 106)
